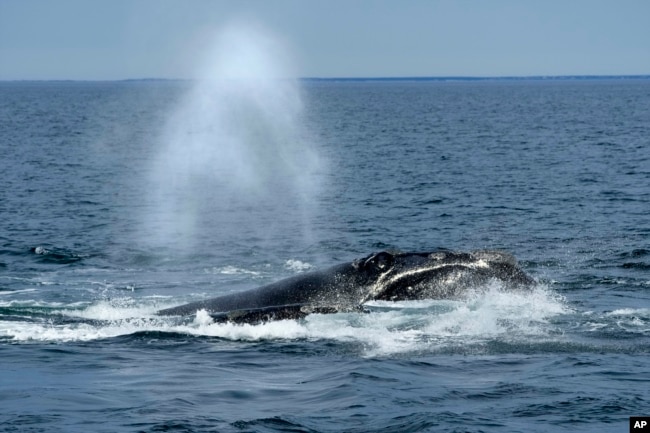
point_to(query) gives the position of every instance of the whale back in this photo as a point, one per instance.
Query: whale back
(317, 288)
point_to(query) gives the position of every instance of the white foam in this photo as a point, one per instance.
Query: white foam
(40, 250)
(635, 320)
(113, 310)
(390, 327)
(15, 292)
(645, 312)
(231, 270)
(297, 265)
(203, 318)
(279, 330)
(22, 331)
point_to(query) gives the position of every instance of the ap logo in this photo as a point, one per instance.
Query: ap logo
(640, 424)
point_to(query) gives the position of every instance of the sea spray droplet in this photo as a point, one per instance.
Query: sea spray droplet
(203, 318)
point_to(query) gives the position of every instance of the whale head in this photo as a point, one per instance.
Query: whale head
(437, 275)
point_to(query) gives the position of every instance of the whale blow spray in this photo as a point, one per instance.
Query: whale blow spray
(238, 164)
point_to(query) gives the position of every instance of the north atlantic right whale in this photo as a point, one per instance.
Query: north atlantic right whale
(382, 276)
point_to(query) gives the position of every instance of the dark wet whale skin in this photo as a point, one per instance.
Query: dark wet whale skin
(380, 276)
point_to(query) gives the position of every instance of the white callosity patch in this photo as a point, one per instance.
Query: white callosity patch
(451, 275)
(393, 276)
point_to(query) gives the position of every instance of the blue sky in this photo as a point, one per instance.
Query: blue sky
(117, 39)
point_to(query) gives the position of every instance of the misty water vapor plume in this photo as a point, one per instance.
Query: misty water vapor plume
(237, 163)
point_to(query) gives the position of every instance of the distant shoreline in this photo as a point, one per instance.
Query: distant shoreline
(479, 78)
(378, 79)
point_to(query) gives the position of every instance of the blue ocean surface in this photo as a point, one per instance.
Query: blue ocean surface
(118, 199)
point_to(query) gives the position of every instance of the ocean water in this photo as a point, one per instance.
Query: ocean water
(118, 199)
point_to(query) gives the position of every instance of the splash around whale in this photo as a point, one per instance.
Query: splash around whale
(382, 276)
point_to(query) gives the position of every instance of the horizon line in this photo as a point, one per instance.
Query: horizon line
(379, 78)
(480, 77)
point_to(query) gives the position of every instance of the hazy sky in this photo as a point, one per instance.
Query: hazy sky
(115, 39)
